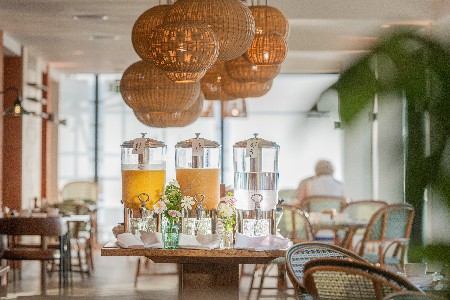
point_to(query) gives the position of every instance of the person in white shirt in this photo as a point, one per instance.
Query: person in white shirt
(322, 184)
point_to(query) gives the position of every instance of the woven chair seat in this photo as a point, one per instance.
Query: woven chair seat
(330, 278)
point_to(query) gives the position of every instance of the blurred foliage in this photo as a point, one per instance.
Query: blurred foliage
(417, 67)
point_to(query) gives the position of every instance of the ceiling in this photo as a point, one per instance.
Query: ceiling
(325, 35)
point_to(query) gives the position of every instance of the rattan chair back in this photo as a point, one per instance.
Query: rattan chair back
(86, 191)
(322, 203)
(299, 254)
(295, 225)
(389, 226)
(362, 210)
(331, 278)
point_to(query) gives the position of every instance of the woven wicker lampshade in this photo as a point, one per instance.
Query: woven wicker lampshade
(185, 50)
(144, 24)
(211, 83)
(267, 49)
(240, 89)
(242, 70)
(177, 119)
(145, 88)
(231, 21)
(270, 20)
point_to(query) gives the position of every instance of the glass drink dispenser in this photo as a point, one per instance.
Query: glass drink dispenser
(143, 178)
(197, 163)
(256, 185)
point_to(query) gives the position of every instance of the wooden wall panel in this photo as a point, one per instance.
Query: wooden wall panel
(12, 138)
(1, 115)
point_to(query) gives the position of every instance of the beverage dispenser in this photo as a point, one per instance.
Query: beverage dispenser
(197, 163)
(256, 185)
(143, 178)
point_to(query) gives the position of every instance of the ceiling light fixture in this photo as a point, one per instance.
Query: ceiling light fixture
(231, 21)
(90, 17)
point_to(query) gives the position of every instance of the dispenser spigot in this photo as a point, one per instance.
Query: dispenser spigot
(257, 198)
(199, 208)
(144, 198)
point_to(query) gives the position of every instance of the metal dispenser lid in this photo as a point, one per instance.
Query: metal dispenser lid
(188, 143)
(261, 143)
(149, 143)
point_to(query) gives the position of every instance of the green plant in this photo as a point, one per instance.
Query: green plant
(172, 202)
(417, 68)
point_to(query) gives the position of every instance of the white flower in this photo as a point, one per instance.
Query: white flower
(174, 182)
(174, 213)
(165, 199)
(187, 202)
(159, 207)
(225, 211)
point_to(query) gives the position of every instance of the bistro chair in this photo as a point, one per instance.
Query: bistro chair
(17, 228)
(388, 231)
(322, 204)
(331, 278)
(4, 280)
(361, 210)
(299, 254)
(409, 295)
(81, 235)
(293, 225)
(86, 191)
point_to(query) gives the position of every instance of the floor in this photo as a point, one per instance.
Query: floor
(113, 278)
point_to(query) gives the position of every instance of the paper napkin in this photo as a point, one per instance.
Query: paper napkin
(261, 243)
(201, 241)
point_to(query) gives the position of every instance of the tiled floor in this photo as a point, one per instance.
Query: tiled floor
(113, 278)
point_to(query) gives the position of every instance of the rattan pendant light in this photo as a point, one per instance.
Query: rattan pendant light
(242, 70)
(276, 20)
(231, 21)
(266, 49)
(211, 83)
(144, 24)
(234, 109)
(177, 119)
(145, 88)
(184, 50)
(240, 89)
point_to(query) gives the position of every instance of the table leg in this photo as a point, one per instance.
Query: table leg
(209, 281)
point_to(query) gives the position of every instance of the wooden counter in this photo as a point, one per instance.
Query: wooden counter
(204, 274)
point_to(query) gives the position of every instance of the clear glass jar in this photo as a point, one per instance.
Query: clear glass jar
(143, 173)
(197, 163)
(256, 174)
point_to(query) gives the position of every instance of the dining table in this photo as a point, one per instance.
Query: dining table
(348, 226)
(203, 274)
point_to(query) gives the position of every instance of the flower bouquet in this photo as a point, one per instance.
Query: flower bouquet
(170, 205)
(226, 213)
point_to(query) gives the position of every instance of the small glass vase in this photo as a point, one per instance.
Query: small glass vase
(227, 237)
(171, 234)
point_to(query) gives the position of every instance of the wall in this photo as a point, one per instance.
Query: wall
(31, 128)
(357, 141)
(390, 150)
(1, 115)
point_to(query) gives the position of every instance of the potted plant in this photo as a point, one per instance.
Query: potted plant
(417, 67)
